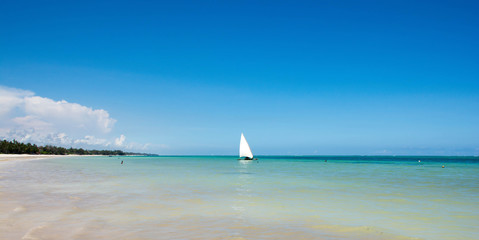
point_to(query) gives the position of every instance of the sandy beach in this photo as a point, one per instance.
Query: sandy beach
(26, 157)
(31, 157)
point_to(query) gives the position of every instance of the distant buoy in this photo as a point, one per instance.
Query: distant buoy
(419, 161)
(442, 166)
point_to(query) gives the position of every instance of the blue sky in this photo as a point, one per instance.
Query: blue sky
(297, 77)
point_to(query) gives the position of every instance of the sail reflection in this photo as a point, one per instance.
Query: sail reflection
(243, 197)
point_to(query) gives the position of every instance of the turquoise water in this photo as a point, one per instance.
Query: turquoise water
(212, 197)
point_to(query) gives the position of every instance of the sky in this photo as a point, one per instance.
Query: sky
(296, 77)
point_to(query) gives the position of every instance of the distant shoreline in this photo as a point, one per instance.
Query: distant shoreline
(16, 147)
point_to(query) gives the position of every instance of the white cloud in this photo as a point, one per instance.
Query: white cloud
(30, 118)
(72, 115)
(31, 122)
(20, 109)
(11, 98)
(92, 140)
(38, 137)
(119, 141)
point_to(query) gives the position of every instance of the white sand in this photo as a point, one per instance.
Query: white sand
(26, 157)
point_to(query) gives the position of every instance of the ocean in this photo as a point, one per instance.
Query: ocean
(219, 197)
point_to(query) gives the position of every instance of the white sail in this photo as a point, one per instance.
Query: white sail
(245, 150)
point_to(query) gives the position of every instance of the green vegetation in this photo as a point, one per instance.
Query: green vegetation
(15, 147)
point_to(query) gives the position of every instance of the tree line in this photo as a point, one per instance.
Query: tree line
(15, 147)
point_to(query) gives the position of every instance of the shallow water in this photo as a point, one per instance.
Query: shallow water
(222, 198)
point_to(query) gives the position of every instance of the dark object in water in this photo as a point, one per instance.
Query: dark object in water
(121, 161)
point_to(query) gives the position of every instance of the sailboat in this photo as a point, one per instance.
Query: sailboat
(244, 150)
